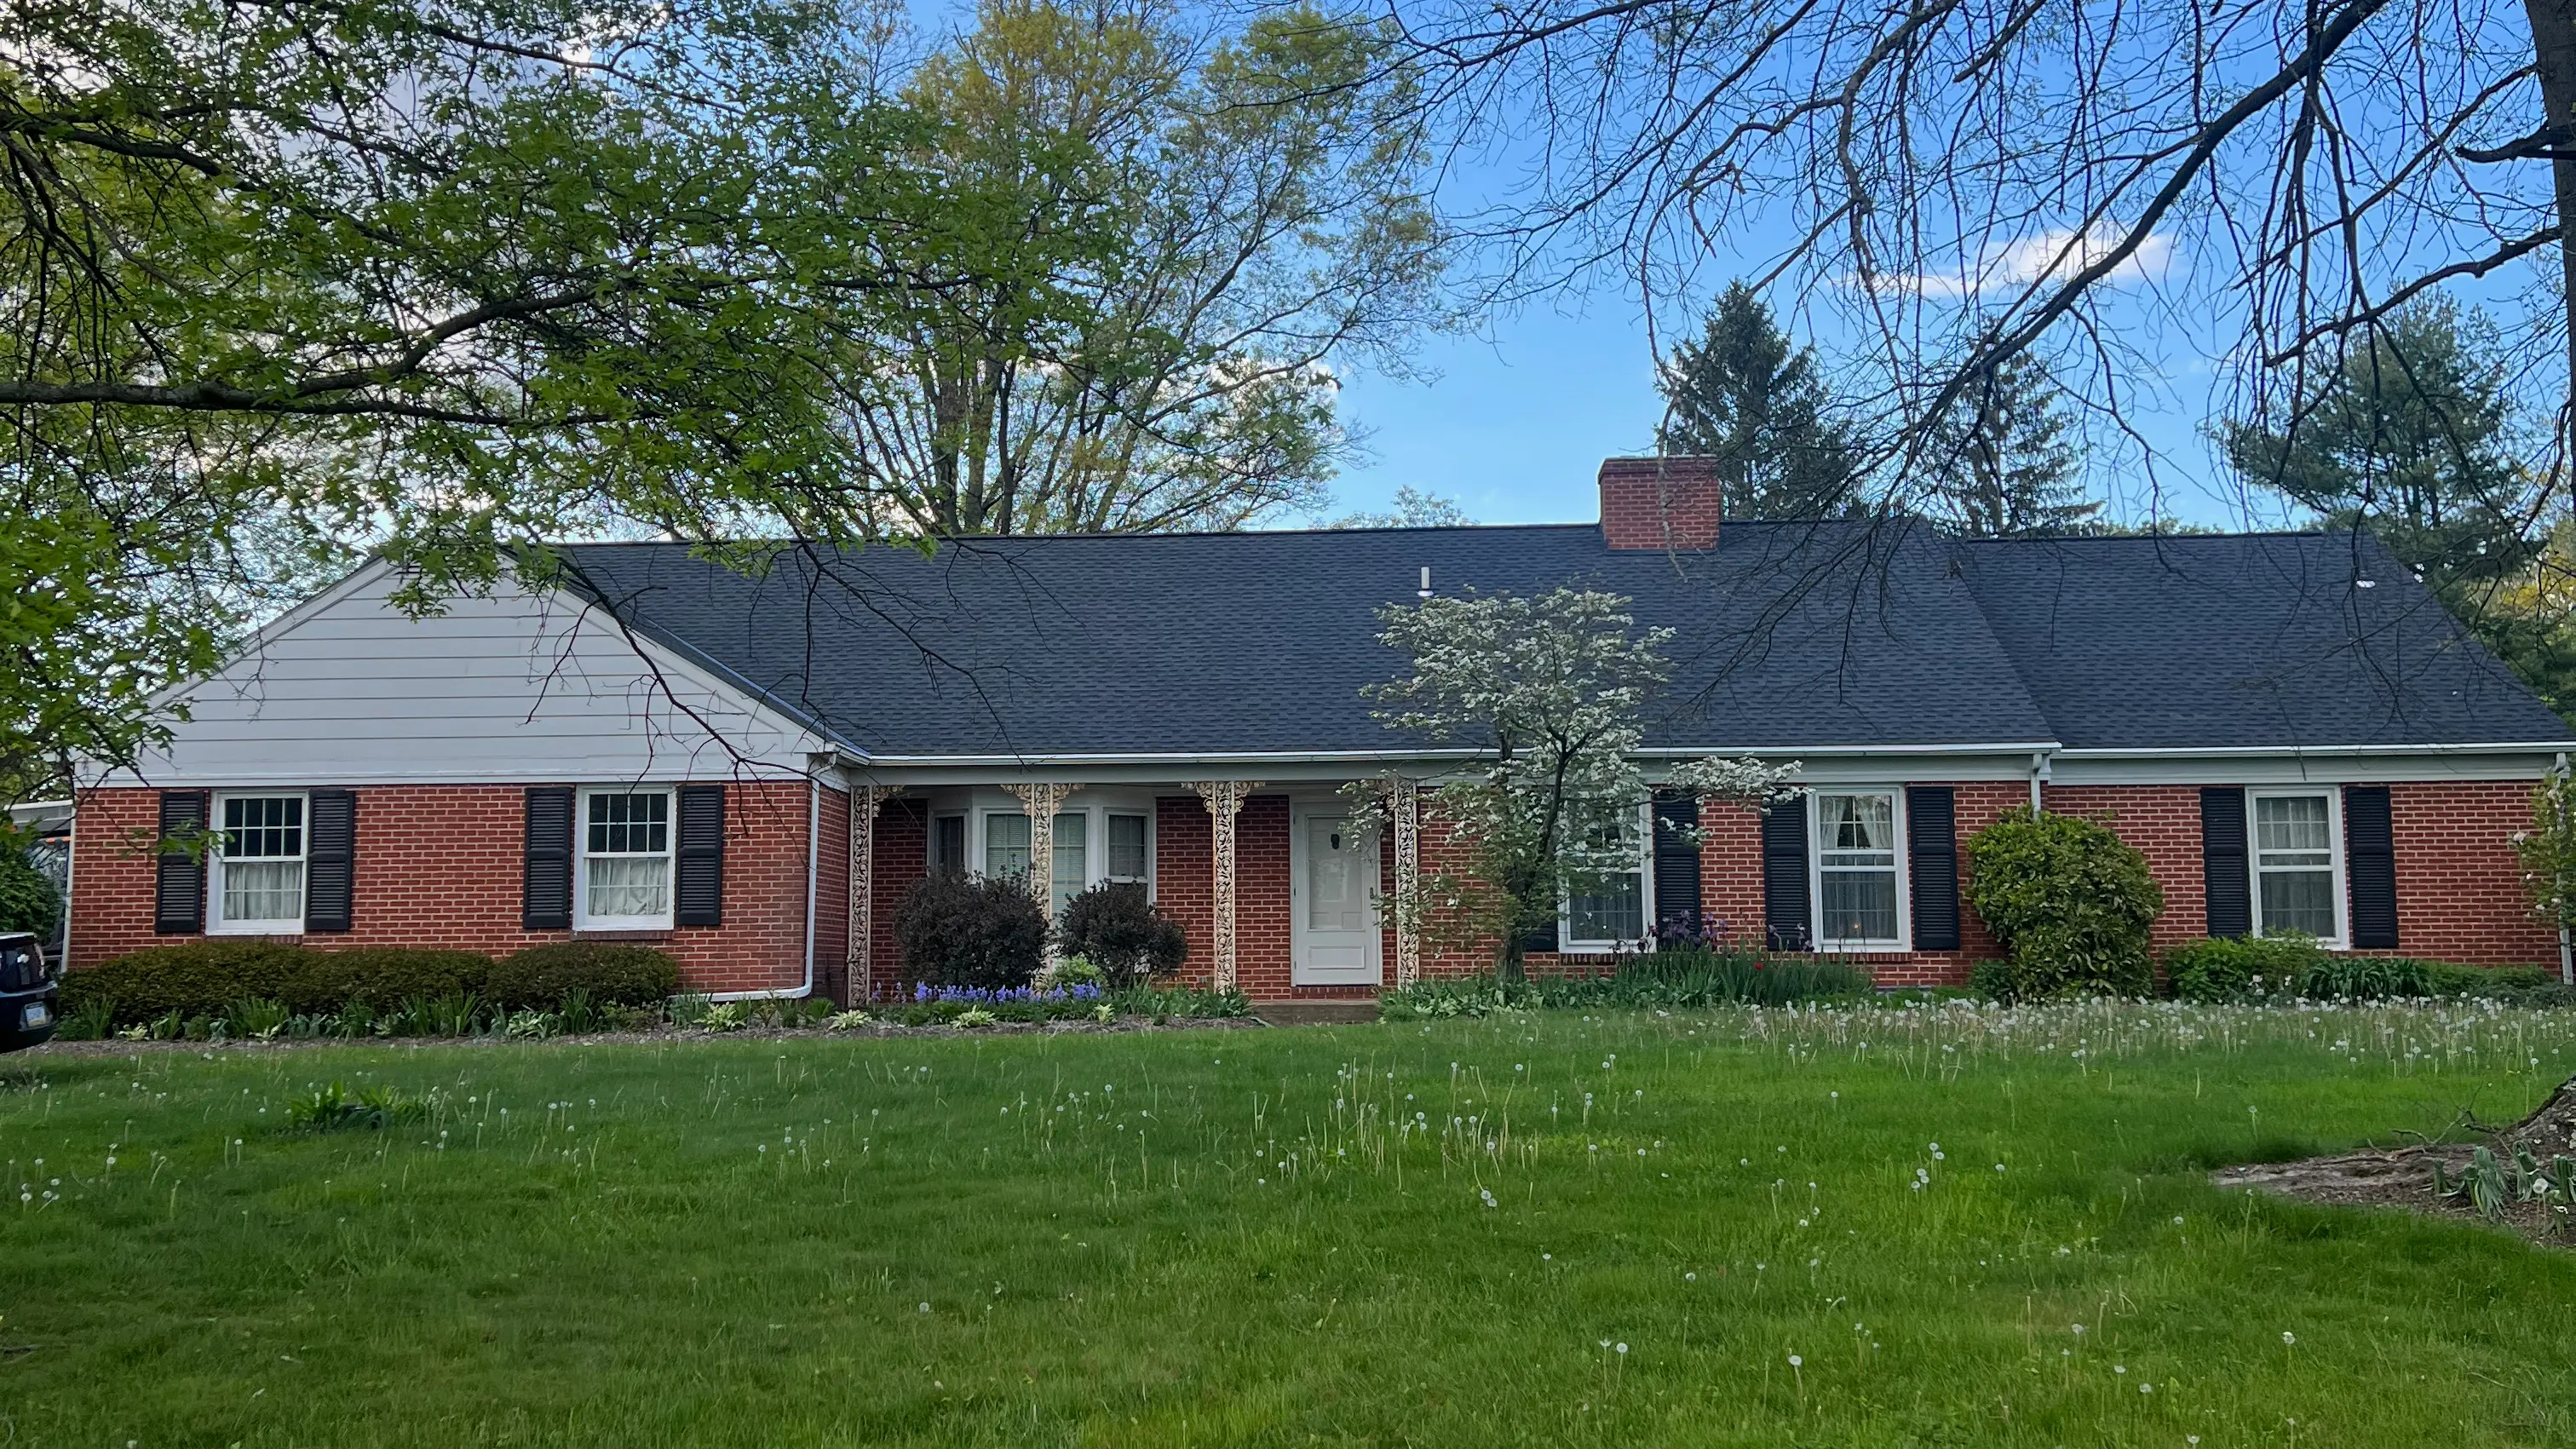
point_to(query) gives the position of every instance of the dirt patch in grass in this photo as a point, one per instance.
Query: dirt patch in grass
(2403, 1176)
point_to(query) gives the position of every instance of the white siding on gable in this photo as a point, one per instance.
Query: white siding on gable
(516, 686)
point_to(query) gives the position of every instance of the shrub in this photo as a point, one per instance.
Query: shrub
(969, 930)
(196, 979)
(608, 973)
(1115, 928)
(2227, 969)
(28, 900)
(387, 975)
(2070, 901)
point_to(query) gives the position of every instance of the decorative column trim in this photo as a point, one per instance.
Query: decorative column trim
(1041, 802)
(860, 966)
(1404, 802)
(1224, 800)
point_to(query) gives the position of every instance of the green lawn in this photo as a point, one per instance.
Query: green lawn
(1209, 1238)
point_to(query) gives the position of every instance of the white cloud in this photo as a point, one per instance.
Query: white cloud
(2055, 255)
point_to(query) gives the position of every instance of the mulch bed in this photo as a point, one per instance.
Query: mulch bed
(122, 1047)
(2403, 1177)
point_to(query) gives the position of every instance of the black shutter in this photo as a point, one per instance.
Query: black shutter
(1932, 839)
(698, 896)
(2370, 864)
(1785, 913)
(179, 881)
(1676, 865)
(330, 856)
(2227, 887)
(545, 899)
(1540, 938)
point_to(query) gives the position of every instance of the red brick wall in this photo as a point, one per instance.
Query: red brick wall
(902, 850)
(1185, 877)
(832, 898)
(2459, 886)
(1261, 898)
(2162, 822)
(441, 866)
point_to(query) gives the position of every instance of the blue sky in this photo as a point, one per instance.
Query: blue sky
(1518, 417)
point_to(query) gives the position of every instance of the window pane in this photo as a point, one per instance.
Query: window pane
(1006, 845)
(1858, 823)
(631, 885)
(265, 828)
(263, 890)
(2299, 900)
(1072, 857)
(1859, 905)
(630, 824)
(1615, 912)
(2293, 822)
(1127, 847)
(949, 851)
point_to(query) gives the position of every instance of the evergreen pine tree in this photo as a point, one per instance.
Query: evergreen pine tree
(1744, 395)
(2010, 465)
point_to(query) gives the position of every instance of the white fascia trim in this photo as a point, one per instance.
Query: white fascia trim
(861, 760)
(2197, 752)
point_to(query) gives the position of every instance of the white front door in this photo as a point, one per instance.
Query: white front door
(1335, 940)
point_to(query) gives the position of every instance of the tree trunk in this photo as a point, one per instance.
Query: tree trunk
(2553, 35)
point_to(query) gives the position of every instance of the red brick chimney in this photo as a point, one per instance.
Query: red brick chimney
(1669, 503)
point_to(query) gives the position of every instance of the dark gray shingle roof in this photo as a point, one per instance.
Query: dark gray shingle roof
(1789, 636)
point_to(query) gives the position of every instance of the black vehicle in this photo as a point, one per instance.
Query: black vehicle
(29, 987)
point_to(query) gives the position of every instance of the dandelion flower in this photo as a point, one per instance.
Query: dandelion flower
(2289, 1337)
(1796, 1362)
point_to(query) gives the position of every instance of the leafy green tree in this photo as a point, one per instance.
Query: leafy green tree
(2009, 463)
(28, 900)
(2415, 437)
(1550, 692)
(2548, 852)
(1410, 508)
(1189, 230)
(1748, 397)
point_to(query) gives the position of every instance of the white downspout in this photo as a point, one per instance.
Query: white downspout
(813, 857)
(2038, 777)
(2566, 948)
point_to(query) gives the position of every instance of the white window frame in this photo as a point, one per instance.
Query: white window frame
(1095, 808)
(1128, 813)
(2333, 796)
(1569, 944)
(216, 924)
(1904, 941)
(582, 919)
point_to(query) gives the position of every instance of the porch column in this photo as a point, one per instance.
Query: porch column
(861, 965)
(1042, 801)
(1404, 803)
(1224, 800)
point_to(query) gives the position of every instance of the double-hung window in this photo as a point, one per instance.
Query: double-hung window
(1859, 895)
(1072, 874)
(948, 844)
(259, 864)
(1006, 846)
(1008, 850)
(2297, 864)
(1129, 860)
(625, 860)
(1608, 911)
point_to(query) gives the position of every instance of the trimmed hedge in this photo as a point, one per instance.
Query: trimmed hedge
(2225, 968)
(971, 930)
(604, 972)
(1116, 929)
(203, 978)
(2071, 903)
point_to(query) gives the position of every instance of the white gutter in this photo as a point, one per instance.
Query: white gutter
(1256, 758)
(2199, 752)
(813, 857)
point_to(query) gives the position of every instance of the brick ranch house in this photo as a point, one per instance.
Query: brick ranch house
(2287, 725)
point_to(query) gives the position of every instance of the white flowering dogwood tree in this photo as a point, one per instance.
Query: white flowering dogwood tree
(2548, 851)
(1550, 693)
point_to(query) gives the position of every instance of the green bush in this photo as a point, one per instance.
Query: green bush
(28, 900)
(2070, 901)
(2230, 968)
(1115, 928)
(199, 978)
(608, 973)
(382, 976)
(1675, 979)
(970, 930)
